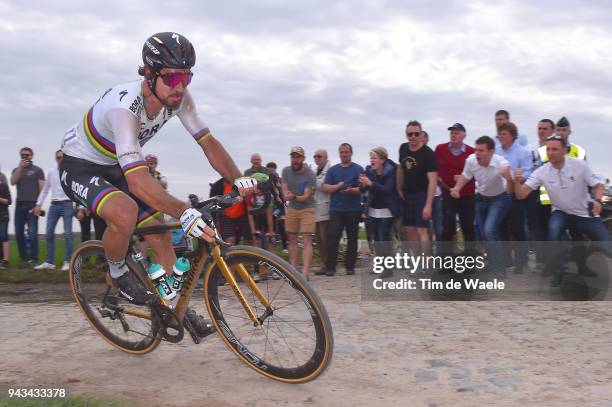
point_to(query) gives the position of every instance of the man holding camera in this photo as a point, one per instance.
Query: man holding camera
(30, 180)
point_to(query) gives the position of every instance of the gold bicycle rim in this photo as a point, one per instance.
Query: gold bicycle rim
(325, 360)
(98, 244)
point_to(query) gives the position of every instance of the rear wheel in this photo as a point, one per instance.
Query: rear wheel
(294, 343)
(124, 325)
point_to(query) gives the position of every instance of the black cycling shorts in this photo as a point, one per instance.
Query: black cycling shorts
(236, 227)
(91, 185)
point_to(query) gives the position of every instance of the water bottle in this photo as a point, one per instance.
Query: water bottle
(179, 273)
(162, 283)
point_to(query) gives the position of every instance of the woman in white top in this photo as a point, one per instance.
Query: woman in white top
(383, 201)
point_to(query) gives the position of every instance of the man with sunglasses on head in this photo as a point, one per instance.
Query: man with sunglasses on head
(562, 130)
(104, 168)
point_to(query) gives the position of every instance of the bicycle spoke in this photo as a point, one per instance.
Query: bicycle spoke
(251, 338)
(288, 347)
(298, 330)
(299, 300)
(291, 343)
(101, 302)
(271, 300)
(272, 347)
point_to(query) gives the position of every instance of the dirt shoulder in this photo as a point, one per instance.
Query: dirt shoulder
(387, 353)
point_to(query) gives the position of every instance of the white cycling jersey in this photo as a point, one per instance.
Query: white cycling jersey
(116, 127)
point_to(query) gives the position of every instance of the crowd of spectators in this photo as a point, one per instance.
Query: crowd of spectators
(500, 192)
(501, 189)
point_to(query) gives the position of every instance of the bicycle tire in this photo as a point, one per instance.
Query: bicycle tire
(230, 320)
(87, 296)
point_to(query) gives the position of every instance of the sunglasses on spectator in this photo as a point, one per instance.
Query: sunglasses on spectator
(554, 137)
(173, 79)
(415, 134)
(317, 156)
(26, 155)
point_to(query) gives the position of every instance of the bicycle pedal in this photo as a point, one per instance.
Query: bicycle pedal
(194, 336)
(105, 313)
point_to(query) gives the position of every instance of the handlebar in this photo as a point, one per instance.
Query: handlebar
(218, 203)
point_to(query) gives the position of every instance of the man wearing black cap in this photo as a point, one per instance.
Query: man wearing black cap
(451, 158)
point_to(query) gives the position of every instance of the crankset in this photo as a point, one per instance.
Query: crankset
(168, 320)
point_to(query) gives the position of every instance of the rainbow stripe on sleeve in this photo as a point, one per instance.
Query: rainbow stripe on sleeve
(137, 165)
(101, 144)
(202, 135)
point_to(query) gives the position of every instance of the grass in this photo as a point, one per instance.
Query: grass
(60, 247)
(19, 272)
(77, 401)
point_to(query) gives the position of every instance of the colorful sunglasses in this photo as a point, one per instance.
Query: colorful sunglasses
(173, 79)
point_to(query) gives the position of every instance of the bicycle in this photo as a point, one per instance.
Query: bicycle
(279, 328)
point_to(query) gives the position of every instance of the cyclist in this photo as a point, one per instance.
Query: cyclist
(104, 168)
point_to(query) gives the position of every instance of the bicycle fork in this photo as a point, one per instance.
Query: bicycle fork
(244, 275)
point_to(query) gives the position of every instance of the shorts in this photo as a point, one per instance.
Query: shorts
(4, 231)
(300, 221)
(261, 223)
(91, 185)
(236, 227)
(413, 209)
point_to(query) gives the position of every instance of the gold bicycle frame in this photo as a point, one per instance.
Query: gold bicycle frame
(197, 266)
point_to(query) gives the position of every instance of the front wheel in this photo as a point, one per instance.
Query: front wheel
(294, 344)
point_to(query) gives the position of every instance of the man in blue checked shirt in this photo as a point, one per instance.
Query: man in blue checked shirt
(514, 227)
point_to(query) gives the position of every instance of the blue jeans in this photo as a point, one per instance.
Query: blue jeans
(514, 229)
(578, 226)
(28, 248)
(381, 234)
(437, 217)
(592, 227)
(489, 214)
(59, 210)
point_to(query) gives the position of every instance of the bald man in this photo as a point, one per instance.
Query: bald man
(256, 166)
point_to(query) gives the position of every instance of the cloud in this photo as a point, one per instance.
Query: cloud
(274, 74)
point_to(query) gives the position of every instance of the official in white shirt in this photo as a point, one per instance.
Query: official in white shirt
(567, 181)
(61, 207)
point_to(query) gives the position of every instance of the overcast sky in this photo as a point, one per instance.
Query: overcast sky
(273, 74)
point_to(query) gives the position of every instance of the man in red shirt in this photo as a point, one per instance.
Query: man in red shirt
(451, 160)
